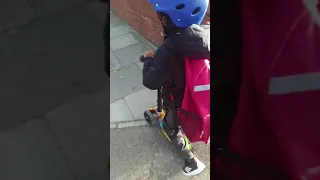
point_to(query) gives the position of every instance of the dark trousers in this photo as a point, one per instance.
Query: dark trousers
(177, 136)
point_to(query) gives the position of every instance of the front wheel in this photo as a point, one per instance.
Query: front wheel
(150, 117)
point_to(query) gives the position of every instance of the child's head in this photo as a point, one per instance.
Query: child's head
(180, 13)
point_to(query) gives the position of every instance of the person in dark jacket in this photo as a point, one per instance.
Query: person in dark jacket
(183, 37)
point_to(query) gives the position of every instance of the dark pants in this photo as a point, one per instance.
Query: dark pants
(177, 137)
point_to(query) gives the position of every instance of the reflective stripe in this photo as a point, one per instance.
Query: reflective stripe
(295, 83)
(205, 87)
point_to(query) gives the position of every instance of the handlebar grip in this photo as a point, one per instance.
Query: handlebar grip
(141, 58)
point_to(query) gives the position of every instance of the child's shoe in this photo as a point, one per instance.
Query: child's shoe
(193, 167)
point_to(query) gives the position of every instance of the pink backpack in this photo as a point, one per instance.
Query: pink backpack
(195, 113)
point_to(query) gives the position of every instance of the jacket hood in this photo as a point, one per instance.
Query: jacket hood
(193, 42)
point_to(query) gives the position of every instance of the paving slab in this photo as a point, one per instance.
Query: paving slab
(123, 41)
(141, 100)
(147, 44)
(125, 81)
(140, 64)
(142, 153)
(119, 112)
(50, 61)
(82, 130)
(130, 54)
(30, 152)
(114, 63)
(115, 20)
(14, 13)
(119, 30)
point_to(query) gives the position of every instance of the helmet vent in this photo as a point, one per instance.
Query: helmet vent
(180, 6)
(195, 11)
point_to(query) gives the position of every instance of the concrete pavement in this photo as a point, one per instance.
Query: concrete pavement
(128, 97)
(138, 151)
(53, 94)
(142, 153)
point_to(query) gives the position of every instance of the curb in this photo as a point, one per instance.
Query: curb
(134, 123)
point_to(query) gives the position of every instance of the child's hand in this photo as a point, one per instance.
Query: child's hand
(148, 54)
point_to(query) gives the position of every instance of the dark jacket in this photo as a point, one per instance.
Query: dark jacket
(167, 65)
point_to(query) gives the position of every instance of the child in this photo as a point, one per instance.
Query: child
(183, 37)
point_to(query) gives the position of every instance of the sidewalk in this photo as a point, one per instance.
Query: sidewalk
(128, 97)
(138, 151)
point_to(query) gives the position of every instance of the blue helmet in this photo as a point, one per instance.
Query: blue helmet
(183, 13)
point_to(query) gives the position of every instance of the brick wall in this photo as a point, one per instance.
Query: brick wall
(141, 17)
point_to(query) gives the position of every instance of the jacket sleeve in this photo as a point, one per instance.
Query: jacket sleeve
(155, 69)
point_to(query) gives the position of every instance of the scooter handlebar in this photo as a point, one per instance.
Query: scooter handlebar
(141, 58)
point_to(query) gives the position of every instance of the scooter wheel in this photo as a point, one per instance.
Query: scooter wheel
(150, 117)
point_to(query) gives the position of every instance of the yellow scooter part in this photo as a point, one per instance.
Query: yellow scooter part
(165, 134)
